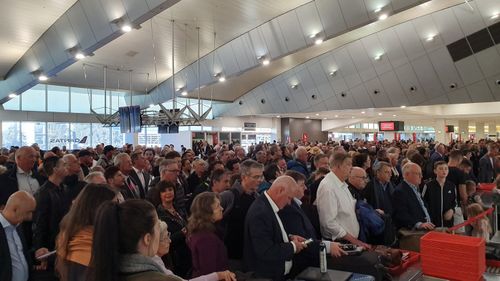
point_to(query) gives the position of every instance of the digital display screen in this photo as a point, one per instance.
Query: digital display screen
(386, 126)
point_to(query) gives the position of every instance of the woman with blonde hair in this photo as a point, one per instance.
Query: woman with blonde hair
(202, 238)
(481, 227)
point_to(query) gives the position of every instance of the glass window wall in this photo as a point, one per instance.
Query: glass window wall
(34, 98)
(80, 100)
(57, 98)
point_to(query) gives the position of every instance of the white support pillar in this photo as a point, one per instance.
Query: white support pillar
(463, 129)
(479, 131)
(439, 128)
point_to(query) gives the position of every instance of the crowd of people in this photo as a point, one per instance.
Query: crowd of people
(217, 211)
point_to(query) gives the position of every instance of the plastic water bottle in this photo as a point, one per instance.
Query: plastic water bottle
(322, 257)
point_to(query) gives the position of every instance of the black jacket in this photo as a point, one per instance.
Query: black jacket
(407, 209)
(5, 261)
(265, 252)
(377, 197)
(486, 170)
(8, 183)
(439, 201)
(52, 204)
(147, 179)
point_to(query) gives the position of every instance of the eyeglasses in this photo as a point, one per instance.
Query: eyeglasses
(174, 171)
(366, 178)
(257, 177)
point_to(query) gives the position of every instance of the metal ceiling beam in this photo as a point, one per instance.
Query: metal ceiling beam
(88, 26)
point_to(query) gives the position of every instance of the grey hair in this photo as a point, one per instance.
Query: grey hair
(119, 157)
(249, 164)
(166, 162)
(163, 229)
(92, 175)
(198, 162)
(379, 166)
(299, 149)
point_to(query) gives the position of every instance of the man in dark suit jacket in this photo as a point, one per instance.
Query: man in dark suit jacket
(31, 180)
(138, 175)
(15, 261)
(487, 164)
(378, 192)
(409, 209)
(268, 249)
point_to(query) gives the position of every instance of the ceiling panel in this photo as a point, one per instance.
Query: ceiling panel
(469, 70)
(361, 97)
(426, 29)
(380, 99)
(400, 4)
(331, 16)
(373, 5)
(85, 36)
(347, 68)
(447, 25)
(309, 21)
(489, 60)
(225, 55)
(445, 68)
(354, 12)
(410, 40)
(480, 92)
(361, 61)
(393, 88)
(393, 48)
(291, 29)
(338, 83)
(374, 48)
(470, 21)
(459, 96)
(428, 77)
(274, 38)
(242, 47)
(258, 42)
(408, 79)
(98, 18)
(494, 86)
(346, 101)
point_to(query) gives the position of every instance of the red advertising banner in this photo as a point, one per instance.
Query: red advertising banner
(386, 126)
(304, 137)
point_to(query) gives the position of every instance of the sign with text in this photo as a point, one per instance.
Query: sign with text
(248, 126)
(387, 126)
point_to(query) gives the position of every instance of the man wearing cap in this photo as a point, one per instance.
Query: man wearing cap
(106, 157)
(86, 161)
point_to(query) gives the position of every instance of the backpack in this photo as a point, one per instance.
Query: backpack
(370, 223)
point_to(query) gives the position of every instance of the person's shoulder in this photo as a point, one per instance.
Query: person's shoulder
(151, 276)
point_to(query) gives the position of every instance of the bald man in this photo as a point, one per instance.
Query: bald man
(409, 209)
(268, 249)
(14, 253)
(357, 182)
(21, 176)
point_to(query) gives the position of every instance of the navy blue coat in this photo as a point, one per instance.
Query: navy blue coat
(264, 251)
(407, 210)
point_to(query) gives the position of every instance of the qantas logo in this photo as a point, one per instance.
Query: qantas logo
(75, 140)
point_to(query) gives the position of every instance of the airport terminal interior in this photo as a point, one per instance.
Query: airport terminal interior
(249, 140)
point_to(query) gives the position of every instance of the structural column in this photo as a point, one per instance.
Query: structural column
(479, 131)
(439, 129)
(492, 128)
(463, 129)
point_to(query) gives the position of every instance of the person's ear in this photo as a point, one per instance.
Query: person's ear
(147, 238)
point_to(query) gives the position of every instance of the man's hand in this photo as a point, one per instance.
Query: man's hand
(297, 241)
(380, 212)
(448, 215)
(336, 251)
(226, 276)
(40, 252)
(427, 226)
(363, 245)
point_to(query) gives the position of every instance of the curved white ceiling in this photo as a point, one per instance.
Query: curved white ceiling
(409, 61)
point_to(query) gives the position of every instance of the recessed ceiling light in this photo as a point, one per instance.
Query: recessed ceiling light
(294, 86)
(430, 38)
(312, 35)
(318, 41)
(495, 16)
(324, 118)
(352, 117)
(317, 114)
(79, 56)
(439, 132)
(278, 116)
(380, 114)
(403, 106)
(333, 73)
(336, 116)
(307, 117)
(362, 112)
(184, 93)
(383, 17)
(126, 28)
(378, 57)
(265, 62)
(394, 115)
(222, 79)
(12, 95)
(377, 10)
(43, 77)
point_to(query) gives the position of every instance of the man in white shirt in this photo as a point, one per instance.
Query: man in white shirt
(336, 205)
(138, 175)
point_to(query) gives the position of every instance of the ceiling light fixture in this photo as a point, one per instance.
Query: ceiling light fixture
(307, 117)
(333, 73)
(403, 106)
(336, 116)
(13, 95)
(184, 93)
(124, 25)
(40, 75)
(380, 114)
(394, 115)
(324, 118)
(378, 57)
(278, 116)
(362, 112)
(382, 17)
(220, 77)
(265, 62)
(495, 16)
(317, 114)
(318, 41)
(377, 10)
(79, 56)
(352, 117)
(294, 86)
(430, 38)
